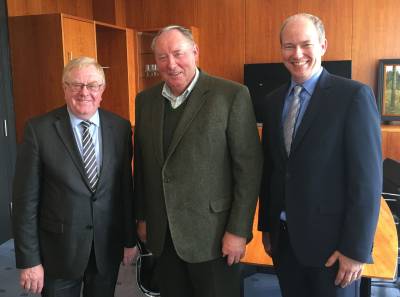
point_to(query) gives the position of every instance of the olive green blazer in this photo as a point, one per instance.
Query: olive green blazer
(208, 181)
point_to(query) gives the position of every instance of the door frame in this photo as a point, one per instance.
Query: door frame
(7, 130)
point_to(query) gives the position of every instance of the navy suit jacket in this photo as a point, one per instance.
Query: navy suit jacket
(330, 185)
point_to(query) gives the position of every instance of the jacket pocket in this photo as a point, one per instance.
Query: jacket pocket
(220, 205)
(51, 226)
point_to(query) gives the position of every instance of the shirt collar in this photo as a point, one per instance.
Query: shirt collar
(75, 121)
(178, 100)
(310, 84)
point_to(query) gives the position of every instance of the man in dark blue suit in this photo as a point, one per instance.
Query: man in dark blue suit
(320, 194)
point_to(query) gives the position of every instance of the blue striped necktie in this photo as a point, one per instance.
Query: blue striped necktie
(89, 156)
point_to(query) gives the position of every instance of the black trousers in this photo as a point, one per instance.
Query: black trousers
(206, 279)
(297, 280)
(94, 283)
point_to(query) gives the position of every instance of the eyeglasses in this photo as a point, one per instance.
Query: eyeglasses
(77, 87)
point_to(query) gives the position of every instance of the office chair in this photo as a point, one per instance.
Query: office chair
(146, 274)
(391, 186)
(391, 194)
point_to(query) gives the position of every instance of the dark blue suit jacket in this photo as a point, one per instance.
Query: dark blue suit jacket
(330, 186)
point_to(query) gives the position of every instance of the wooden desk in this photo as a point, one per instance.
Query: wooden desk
(390, 141)
(384, 252)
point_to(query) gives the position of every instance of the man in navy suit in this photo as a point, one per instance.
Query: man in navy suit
(320, 193)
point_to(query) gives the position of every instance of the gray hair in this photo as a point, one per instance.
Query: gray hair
(82, 62)
(318, 24)
(184, 31)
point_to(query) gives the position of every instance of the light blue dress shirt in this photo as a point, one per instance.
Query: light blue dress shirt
(94, 131)
(305, 96)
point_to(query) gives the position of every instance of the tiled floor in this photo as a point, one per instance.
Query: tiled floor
(255, 285)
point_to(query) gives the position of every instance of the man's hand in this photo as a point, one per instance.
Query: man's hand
(141, 231)
(266, 240)
(234, 247)
(349, 269)
(32, 279)
(129, 255)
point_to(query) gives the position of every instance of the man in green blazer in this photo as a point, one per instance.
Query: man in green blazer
(197, 172)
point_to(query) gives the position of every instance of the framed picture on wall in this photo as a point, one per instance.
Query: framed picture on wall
(389, 89)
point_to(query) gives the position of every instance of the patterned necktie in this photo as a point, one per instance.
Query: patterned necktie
(290, 121)
(89, 156)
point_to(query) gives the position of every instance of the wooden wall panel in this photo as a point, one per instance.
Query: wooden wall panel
(263, 23)
(222, 37)
(363, 30)
(120, 12)
(25, 7)
(104, 11)
(110, 11)
(337, 18)
(81, 8)
(264, 19)
(376, 24)
(42, 37)
(221, 28)
(143, 14)
(134, 13)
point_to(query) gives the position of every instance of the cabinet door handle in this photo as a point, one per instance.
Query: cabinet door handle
(69, 56)
(5, 128)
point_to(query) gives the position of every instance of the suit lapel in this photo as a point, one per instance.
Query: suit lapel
(157, 120)
(194, 104)
(278, 120)
(63, 127)
(107, 142)
(315, 105)
(276, 116)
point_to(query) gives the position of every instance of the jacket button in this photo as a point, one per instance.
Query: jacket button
(89, 227)
(94, 198)
(166, 180)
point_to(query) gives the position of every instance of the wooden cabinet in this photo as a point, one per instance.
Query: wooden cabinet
(37, 61)
(115, 52)
(78, 38)
(147, 74)
(42, 44)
